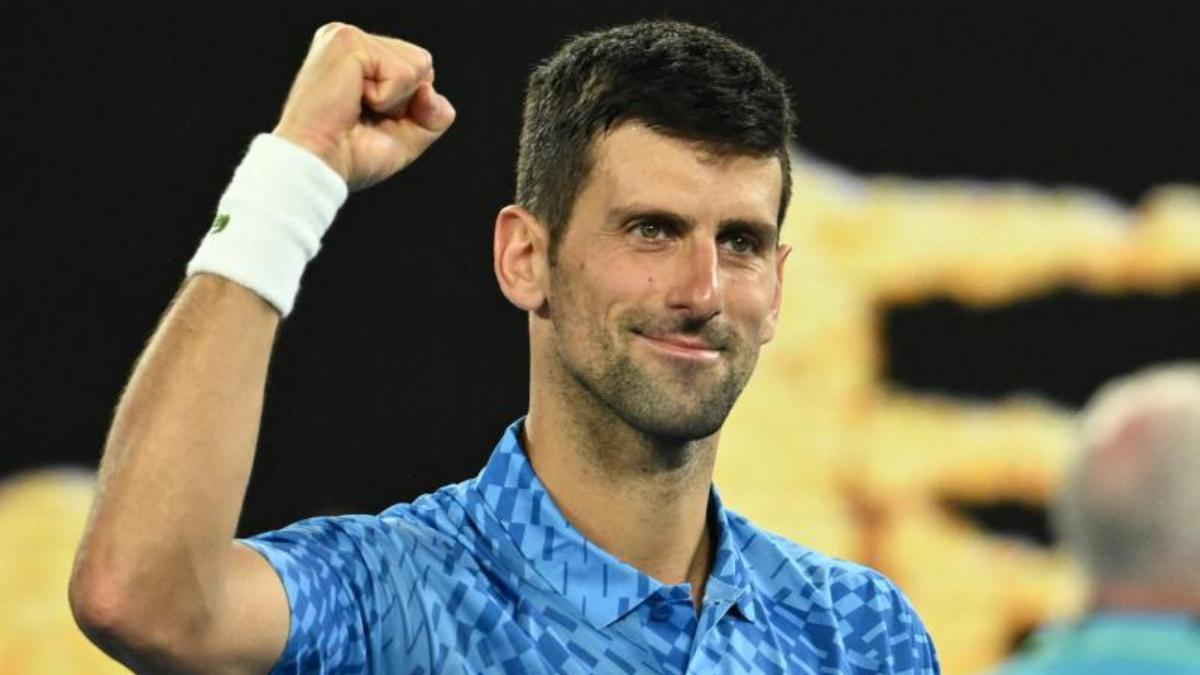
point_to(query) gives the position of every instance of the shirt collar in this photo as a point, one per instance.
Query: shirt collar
(601, 587)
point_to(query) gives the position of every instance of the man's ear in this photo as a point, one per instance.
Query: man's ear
(772, 321)
(519, 256)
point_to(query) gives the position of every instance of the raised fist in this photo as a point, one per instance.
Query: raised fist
(364, 103)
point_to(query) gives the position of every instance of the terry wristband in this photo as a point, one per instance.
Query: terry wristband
(271, 219)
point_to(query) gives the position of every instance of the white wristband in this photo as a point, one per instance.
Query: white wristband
(271, 219)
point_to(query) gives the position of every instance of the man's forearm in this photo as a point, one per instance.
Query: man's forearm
(158, 581)
(177, 461)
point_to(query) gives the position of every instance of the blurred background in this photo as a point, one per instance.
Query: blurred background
(996, 210)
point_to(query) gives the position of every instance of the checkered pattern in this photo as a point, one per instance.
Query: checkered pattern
(487, 576)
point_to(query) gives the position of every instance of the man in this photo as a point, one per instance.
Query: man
(652, 179)
(1130, 511)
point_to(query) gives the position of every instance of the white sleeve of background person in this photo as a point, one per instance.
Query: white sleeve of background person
(271, 219)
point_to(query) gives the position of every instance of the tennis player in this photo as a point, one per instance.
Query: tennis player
(643, 245)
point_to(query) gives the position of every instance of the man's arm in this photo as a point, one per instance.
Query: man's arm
(158, 574)
(159, 582)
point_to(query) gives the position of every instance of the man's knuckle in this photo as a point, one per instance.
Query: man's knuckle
(327, 28)
(422, 59)
(336, 32)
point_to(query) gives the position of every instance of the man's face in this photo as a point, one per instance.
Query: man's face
(667, 280)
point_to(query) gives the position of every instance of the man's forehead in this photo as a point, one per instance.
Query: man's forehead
(638, 163)
(636, 134)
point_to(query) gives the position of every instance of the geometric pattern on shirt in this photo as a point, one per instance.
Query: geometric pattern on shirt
(488, 576)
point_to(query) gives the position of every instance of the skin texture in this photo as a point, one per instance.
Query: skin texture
(159, 582)
(643, 331)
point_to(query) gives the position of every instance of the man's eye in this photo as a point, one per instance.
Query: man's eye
(649, 230)
(740, 243)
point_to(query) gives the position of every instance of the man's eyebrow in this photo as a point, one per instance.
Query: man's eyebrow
(624, 214)
(767, 233)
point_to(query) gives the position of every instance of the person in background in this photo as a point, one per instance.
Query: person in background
(1130, 511)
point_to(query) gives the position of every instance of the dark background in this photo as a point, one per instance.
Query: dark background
(402, 362)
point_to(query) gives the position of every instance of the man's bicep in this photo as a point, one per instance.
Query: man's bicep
(252, 625)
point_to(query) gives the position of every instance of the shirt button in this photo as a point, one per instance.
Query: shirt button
(661, 612)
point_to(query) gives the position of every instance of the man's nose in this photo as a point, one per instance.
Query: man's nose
(697, 286)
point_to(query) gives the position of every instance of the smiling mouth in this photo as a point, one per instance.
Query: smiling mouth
(680, 346)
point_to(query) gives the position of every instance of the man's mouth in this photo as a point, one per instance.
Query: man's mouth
(681, 346)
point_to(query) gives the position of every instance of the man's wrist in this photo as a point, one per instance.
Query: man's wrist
(271, 219)
(326, 149)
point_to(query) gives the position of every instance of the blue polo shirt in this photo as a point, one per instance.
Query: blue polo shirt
(487, 576)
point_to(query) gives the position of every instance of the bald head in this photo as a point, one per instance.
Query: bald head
(1130, 507)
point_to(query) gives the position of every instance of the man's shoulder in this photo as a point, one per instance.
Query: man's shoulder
(792, 572)
(441, 511)
(841, 606)
(433, 522)
(429, 522)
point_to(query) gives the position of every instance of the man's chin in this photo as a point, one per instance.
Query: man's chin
(678, 424)
(665, 401)
(687, 431)
(683, 407)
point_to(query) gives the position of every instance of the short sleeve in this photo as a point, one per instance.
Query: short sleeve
(879, 620)
(914, 650)
(925, 658)
(334, 571)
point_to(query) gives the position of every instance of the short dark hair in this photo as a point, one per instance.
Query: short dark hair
(681, 80)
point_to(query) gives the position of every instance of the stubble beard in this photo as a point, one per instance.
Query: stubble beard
(671, 404)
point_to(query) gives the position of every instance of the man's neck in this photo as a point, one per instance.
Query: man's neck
(1138, 598)
(611, 484)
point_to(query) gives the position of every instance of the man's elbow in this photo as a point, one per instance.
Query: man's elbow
(140, 636)
(103, 612)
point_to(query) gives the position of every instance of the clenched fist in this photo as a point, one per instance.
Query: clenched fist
(364, 103)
